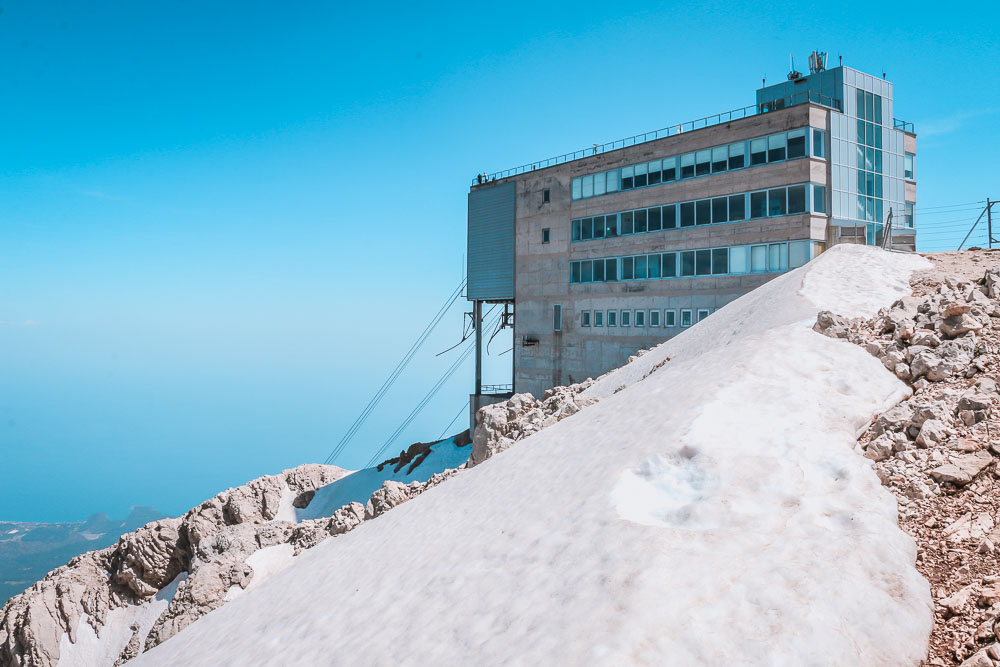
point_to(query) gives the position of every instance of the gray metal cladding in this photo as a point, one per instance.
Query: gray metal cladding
(491, 242)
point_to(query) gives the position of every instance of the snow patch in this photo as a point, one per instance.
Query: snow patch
(286, 510)
(266, 563)
(91, 648)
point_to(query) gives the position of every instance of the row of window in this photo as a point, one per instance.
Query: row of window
(791, 200)
(642, 318)
(732, 260)
(869, 106)
(762, 150)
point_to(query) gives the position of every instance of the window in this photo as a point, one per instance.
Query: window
(669, 169)
(703, 211)
(737, 207)
(557, 317)
(738, 259)
(587, 272)
(687, 263)
(640, 318)
(598, 318)
(639, 221)
(776, 202)
(758, 258)
(758, 151)
(599, 227)
(687, 165)
(545, 235)
(611, 269)
(703, 163)
(574, 272)
(720, 260)
(545, 196)
(654, 318)
(585, 318)
(588, 186)
(737, 155)
(612, 318)
(775, 257)
(758, 204)
(703, 313)
(640, 175)
(686, 314)
(796, 199)
(908, 166)
(719, 210)
(628, 176)
(653, 221)
(626, 317)
(669, 260)
(798, 253)
(653, 266)
(819, 143)
(776, 147)
(908, 214)
(640, 267)
(626, 223)
(577, 188)
(669, 217)
(687, 214)
(703, 262)
(720, 159)
(796, 144)
(612, 180)
(653, 170)
(819, 199)
(611, 225)
(588, 229)
(670, 318)
(628, 268)
(598, 271)
(576, 230)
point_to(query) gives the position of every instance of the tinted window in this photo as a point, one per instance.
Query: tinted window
(599, 227)
(574, 272)
(588, 271)
(687, 263)
(627, 222)
(653, 266)
(640, 221)
(720, 159)
(628, 176)
(776, 204)
(653, 220)
(737, 207)
(640, 175)
(797, 199)
(796, 144)
(703, 163)
(758, 151)
(737, 155)
(687, 165)
(669, 268)
(669, 217)
(775, 147)
(687, 214)
(576, 230)
(669, 169)
(720, 260)
(598, 270)
(703, 211)
(703, 262)
(588, 229)
(611, 269)
(640, 267)
(758, 204)
(719, 206)
(611, 225)
(628, 272)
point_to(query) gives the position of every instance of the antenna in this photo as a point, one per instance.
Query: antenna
(794, 73)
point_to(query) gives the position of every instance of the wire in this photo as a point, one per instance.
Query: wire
(400, 367)
(465, 408)
(425, 400)
(968, 203)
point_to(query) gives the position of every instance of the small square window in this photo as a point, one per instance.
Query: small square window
(686, 317)
(626, 318)
(585, 318)
(598, 318)
(612, 318)
(640, 318)
(545, 235)
(545, 196)
(670, 318)
(654, 318)
(703, 313)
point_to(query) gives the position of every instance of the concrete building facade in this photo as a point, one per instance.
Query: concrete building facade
(607, 251)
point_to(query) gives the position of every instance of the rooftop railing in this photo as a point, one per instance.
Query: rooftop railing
(669, 131)
(902, 125)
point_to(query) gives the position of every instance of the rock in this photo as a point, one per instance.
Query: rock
(925, 337)
(985, 547)
(954, 603)
(978, 659)
(880, 448)
(893, 420)
(831, 325)
(970, 526)
(902, 371)
(989, 596)
(954, 309)
(974, 400)
(931, 432)
(962, 469)
(952, 327)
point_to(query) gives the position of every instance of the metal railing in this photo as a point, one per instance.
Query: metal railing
(669, 131)
(902, 125)
(498, 388)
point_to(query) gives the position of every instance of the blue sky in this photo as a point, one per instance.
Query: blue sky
(222, 224)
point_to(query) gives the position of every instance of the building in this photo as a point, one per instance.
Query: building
(609, 250)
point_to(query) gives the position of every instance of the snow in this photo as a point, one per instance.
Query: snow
(266, 563)
(359, 486)
(92, 649)
(286, 510)
(713, 513)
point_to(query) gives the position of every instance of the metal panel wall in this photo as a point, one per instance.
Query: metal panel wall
(491, 242)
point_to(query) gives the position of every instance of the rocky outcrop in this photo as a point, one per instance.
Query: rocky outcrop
(500, 425)
(210, 543)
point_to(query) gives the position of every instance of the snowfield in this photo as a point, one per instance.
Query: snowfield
(714, 513)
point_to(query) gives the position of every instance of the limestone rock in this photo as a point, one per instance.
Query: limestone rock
(962, 469)
(932, 431)
(954, 603)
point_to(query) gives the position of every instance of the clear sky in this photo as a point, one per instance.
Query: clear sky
(222, 224)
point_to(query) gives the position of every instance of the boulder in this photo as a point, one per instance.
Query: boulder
(954, 603)
(962, 469)
(970, 526)
(959, 325)
(932, 432)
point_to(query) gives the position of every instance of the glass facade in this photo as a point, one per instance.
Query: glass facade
(727, 157)
(791, 200)
(724, 261)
